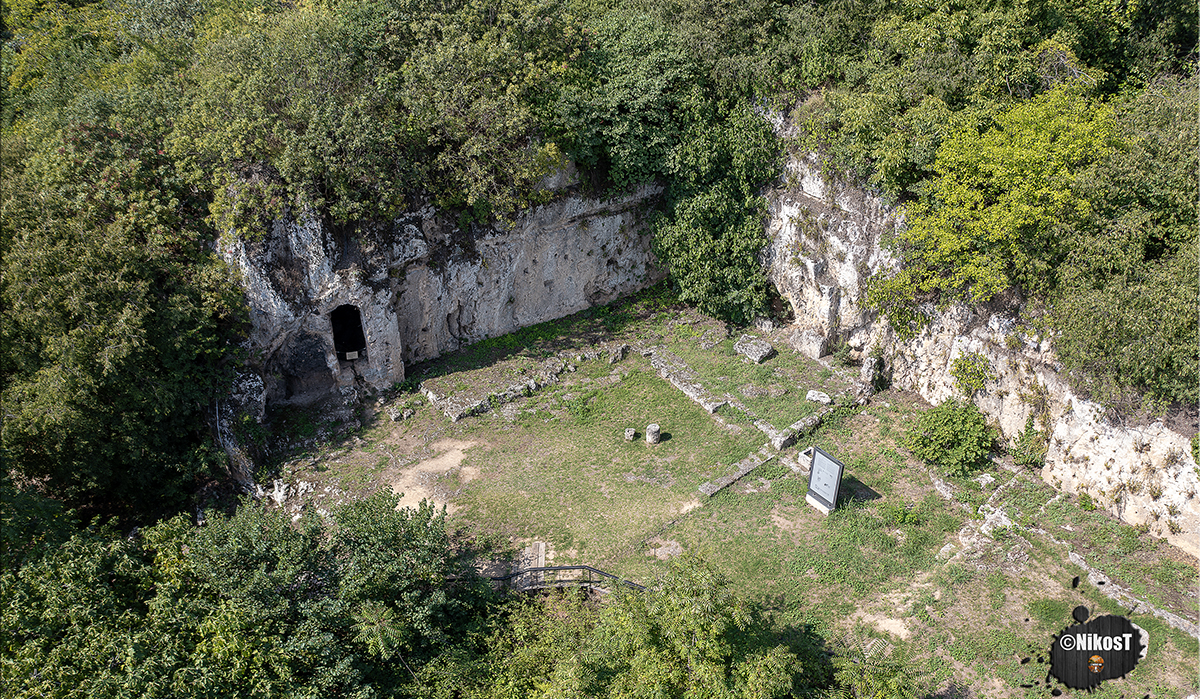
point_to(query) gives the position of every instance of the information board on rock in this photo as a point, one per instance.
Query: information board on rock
(824, 481)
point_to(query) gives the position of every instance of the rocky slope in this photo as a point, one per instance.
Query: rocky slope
(828, 238)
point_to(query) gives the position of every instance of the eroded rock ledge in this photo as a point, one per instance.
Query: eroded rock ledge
(417, 287)
(826, 241)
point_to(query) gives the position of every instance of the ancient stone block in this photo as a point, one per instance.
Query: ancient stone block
(753, 349)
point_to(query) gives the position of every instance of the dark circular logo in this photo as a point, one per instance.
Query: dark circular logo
(1086, 654)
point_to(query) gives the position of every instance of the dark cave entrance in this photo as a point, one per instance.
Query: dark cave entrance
(348, 338)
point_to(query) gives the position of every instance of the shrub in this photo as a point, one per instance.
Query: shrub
(1030, 449)
(971, 372)
(954, 436)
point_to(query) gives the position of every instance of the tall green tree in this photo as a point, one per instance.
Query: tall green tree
(1126, 306)
(711, 234)
(993, 218)
(251, 605)
(120, 322)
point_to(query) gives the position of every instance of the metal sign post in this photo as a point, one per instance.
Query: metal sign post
(824, 481)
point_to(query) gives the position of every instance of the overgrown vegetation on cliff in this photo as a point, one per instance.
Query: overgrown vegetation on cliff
(1044, 149)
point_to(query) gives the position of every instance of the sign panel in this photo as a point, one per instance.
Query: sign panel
(824, 481)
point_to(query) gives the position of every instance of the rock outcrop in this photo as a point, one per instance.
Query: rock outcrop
(828, 238)
(420, 286)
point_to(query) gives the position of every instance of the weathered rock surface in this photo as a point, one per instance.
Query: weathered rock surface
(754, 349)
(818, 397)
(825, 242)
(653, 434)
(423, 287)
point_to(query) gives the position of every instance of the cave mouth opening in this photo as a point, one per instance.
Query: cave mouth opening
(348, 338)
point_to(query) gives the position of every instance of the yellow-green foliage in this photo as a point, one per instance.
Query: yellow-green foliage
(992, 218)
(971, 372)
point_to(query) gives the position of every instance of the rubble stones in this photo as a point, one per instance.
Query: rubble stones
(818, 397)
(652, 434)
(630, 434)
(754, 349)
(617, 353)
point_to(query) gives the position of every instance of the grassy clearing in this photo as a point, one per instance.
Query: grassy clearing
(561, 470)
(555, 467)
(774, 390)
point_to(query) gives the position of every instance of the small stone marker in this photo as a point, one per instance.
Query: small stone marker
(753, 349)
(824, 481)
(652, 434)
(630, 433)
(818, 397)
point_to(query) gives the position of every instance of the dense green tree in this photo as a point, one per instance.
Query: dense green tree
(993, 217)
(291, 111)
(626, 123)
(485, 84)
(249, 605)
(712, 233)
(119, 322)
(1126, 308)
(689, 636)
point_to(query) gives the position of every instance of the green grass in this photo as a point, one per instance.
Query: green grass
(561, 472)
(567, 475)
(722, 371)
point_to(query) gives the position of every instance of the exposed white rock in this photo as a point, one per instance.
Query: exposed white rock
(422, 287)
(818, 397)
(754, 349)
(826, 239)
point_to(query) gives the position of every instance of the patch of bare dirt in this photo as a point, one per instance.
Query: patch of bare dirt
(896, 627)
(664, 549)
(427, 479)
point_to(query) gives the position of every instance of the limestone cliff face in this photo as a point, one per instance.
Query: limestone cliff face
(826, 240)
(558, 259)
(422, 287)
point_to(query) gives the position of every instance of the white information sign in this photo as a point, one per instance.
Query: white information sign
(824, 481)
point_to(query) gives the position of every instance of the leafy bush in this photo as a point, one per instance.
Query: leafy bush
(1031, 446)
(953, 436)
(971, 372)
